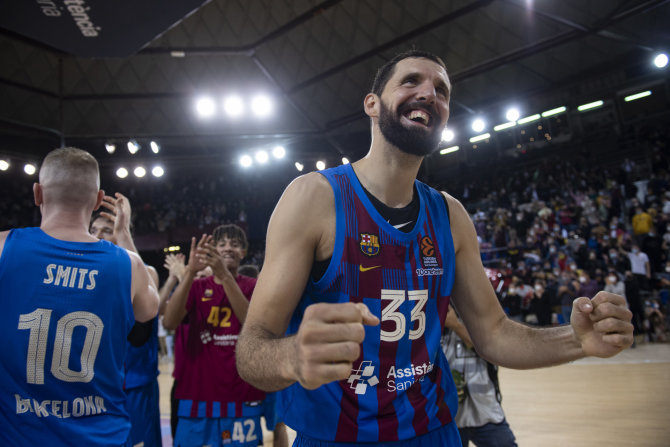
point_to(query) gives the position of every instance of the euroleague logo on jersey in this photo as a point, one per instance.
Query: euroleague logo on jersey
(430, 265)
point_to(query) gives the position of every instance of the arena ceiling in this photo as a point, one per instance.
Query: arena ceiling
(316, 58)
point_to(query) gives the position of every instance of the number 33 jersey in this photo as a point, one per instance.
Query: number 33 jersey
(66, 313)
(400, 387)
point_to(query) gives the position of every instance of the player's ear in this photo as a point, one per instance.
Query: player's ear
(37, 194)
(371, 105)
(98, 199)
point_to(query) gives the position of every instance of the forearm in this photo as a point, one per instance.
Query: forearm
(175, 310)
(164, 293)
(238, 302)
(125, 240)
(265, 360)
(514, 345)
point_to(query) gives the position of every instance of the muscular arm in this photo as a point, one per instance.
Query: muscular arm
(599, 327)
(143, 290)
(301, 228)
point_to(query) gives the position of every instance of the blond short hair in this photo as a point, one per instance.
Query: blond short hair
(70, 176)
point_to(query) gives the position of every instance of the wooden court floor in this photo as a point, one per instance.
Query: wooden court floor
(623, 401)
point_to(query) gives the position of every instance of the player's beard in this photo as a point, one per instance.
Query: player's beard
(411, 140)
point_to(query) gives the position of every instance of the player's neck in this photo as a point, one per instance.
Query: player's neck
(67, 226)
(389, 174)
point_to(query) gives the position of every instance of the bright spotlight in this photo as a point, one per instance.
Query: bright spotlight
(234, 106)
(661, 60)
(205, 107)
(122, 173)
(278, 152)
(512, 114)
(111, 147)
(261, 156)
(320, 165)
(448, 135)
(140, 172)
(133, 146)
(345, 161)
(478, 125)
(155, 148)
(246, 161)
(29, 169)
(299, 166)
(4, 165)
(261, 106)
(157, 171)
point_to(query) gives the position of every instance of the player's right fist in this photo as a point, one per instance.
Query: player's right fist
(328, 342)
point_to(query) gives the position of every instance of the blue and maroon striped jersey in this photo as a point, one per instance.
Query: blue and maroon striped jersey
(401, 385)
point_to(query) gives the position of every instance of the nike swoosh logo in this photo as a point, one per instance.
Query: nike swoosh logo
(399, 226)
(365, 269)
(207, 299)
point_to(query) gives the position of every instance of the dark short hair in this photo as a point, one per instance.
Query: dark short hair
(386, 71)
(231, 231)
(249, 270)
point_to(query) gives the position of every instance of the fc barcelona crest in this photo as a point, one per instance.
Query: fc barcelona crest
(370, 244)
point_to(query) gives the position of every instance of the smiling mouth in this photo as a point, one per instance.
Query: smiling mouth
(419, 116)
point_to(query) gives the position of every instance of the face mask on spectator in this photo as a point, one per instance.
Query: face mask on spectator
(612, 278)
(512, 290)
(613, 255)
(582, 279)
(636, 250)
(538, 288)
(552, 249)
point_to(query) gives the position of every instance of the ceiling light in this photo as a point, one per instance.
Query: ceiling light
(155, 148)
(661, 60)
(504, 126)
(448, 135)
(637, 96)
(278, 152)
(234, 106)
(133, 146)
(512, 114)
(246, 161)
(589, 106)
(111, 147)
(481, 137)
(140, 172)
(345, 161)
(529, 119)
(261, 157)
(478, 125)
(261, 106)
(122, 173)
(4, 165)
(449, 150)
(555, 111)
(29, 169)
(320, 165)
(299, 166)
(157, 171)
(205, 107)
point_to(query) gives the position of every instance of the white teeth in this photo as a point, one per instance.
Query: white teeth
(418, 114)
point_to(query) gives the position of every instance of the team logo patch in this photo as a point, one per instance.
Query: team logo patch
(369, 244)
(205, 337)
(362, 377)
(225, 437)
(430, 265)
(209, 292)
